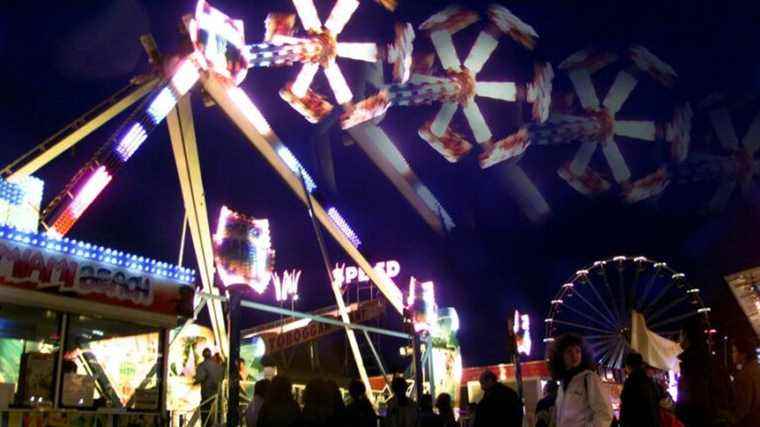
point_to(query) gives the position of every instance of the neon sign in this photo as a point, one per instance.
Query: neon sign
(344, 275)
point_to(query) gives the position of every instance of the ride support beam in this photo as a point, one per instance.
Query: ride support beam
(185, 149)
(246, 116)
(34, 159)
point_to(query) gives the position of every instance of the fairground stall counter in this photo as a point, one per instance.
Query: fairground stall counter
(83, 331)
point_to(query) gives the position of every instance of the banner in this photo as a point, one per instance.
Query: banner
(277, 342)
(27, 266)
(658, 352)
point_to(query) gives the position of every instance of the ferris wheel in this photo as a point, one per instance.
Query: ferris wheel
(598, 303)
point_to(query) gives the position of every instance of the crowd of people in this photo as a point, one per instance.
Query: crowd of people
(708, 395)
(273, 405)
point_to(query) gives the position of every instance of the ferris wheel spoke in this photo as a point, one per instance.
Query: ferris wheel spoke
(672, 320)
(622, 347)
(599, 297)
(612, 295)
(600, 337)
(667, 307)
(593, 307)
(648, 287)
(589, 318)
(580, 326)
(626, 315)
(659, 296)
(632, 291)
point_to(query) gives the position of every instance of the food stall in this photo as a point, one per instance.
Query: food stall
(83, 331)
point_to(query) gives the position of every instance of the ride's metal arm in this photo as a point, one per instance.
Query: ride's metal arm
(381, 150)
(31, 161)
(241, 110)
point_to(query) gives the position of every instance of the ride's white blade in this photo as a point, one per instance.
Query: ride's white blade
(304, 79)
(620, 91)
(722, 195)
(360, 51)
(724, 128)
(340, 15)
(338, 83)
(477, 122)
(637, 129)
(616, 161)
(582, 157)
(584, 87)
(444, 47)
(480, 52)
(443, 118)
(505, 91)
(751, 140)
(525, 193)
(307, 12)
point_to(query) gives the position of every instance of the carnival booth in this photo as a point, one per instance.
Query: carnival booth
(83, 330)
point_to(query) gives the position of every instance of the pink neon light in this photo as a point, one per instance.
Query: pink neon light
(90, 191)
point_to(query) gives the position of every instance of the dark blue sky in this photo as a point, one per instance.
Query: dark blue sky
(60, 60)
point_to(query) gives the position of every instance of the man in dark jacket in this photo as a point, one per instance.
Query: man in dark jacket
(500, 405)
(704, 390)
(639, 400)
(746, 384)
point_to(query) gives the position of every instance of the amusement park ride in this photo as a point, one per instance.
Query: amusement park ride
(601, 301)
(216, 58)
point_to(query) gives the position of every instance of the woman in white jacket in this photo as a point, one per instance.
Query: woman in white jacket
(581, 400)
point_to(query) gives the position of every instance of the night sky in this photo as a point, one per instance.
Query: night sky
(59, 60)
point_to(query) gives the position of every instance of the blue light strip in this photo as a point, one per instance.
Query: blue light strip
(89, 251)
(294, 165)
(10, 192)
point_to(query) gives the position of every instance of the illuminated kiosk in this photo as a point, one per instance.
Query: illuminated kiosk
(216, 57)
(82, 331)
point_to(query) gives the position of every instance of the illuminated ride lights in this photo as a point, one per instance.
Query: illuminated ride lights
(734, 163)
(243, 250)
(600, 123)
(61, 214)
(221, 41)
(457, 87)
(215, 37)
(421, 305)
(599, 303)
(97, 253)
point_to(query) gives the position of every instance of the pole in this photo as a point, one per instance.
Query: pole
(417, 360)
(233, 398)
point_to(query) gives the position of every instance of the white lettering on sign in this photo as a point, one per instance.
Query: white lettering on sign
(344, 275)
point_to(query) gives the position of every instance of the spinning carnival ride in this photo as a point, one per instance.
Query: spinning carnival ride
(458, 86)
(599, 122)
(599, 303)
(732, 163)
(217, 57)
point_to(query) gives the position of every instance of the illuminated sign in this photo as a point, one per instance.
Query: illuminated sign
(276, 342)
(521, 328)
(76, 269)
(345, 275)
(286, 285)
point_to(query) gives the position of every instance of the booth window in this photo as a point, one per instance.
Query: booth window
(111, 364)
(29, 344)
